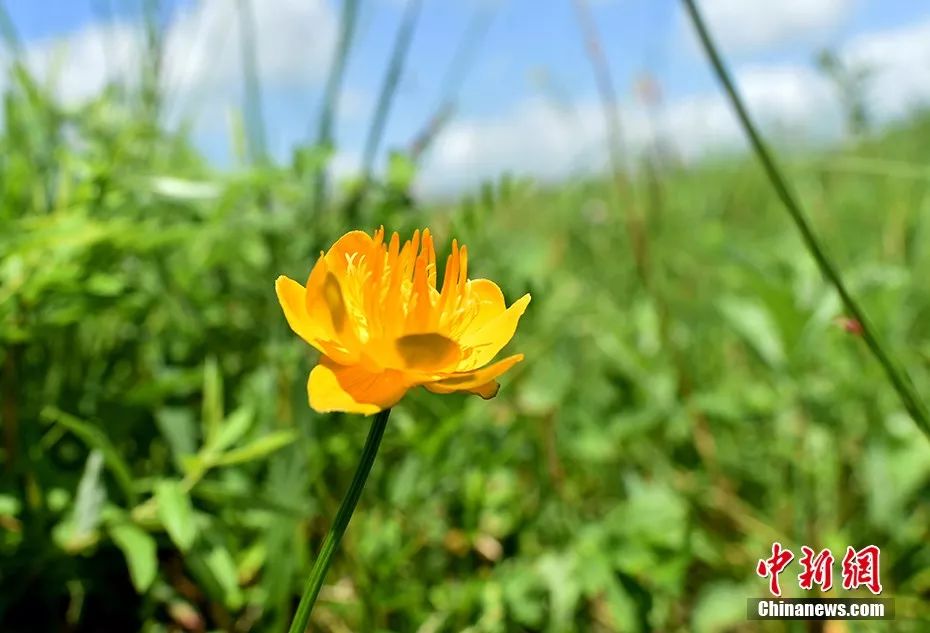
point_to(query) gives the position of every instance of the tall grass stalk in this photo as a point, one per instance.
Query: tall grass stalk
(252, 91)
(152, 59)
(896, 375)
(636, 232)
(8, 33)
(389, 86)
(386, 95)
(462, 60)
(333, 90)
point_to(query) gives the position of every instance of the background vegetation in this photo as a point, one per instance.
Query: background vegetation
(688, 397)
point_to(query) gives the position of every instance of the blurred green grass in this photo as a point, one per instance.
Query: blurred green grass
(163, 472)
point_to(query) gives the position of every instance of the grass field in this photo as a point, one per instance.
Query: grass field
(686, 400)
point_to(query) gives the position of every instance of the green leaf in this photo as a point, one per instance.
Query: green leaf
(183, 189)
(257, 449)
(212, 399)
(178, 428)
(308, 160)
(9, 505)
(557, 571)
(400, 172)
(176, 513)
(221, 564)
(720, 607)
(139, 549)
(233, 428)
(90, 497)
(755, 325)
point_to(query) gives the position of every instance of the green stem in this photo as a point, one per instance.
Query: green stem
(896, 376)
(343, 516)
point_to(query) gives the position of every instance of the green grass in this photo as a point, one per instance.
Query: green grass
(161, 465)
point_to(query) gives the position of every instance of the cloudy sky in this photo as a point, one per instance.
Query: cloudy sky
(528, 102)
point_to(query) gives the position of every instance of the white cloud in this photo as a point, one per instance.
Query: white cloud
(293, 41)
(202, 56)
(899, 60)
(79, 66)
(794, 101)
(539, 139)
(743, 25)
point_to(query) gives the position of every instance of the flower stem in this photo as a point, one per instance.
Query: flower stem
(896, 376)
(343, 516)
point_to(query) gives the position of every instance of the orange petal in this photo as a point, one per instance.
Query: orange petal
(488, 390)
(480, 381)
(449, 292)
(418, 314)
(352, 389)
(482, 343)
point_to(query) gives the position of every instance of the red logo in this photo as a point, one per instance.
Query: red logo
(817, 569)
(771, 567)
(860, 568)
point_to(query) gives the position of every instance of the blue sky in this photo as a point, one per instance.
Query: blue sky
(528, 102)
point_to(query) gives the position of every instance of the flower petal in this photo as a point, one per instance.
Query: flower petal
(325, 307)
(347, 246)
(490, 300)
(352, 389)
(480, 381)
(488, 390)
(291, 297)
(481, 344)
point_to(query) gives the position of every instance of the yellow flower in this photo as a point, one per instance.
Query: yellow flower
(374, 312)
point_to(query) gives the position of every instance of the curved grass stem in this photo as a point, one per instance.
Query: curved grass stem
(341, 522)
(895, 374)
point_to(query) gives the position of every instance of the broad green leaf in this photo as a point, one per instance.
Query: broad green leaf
(176, 513)
(140, 551)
